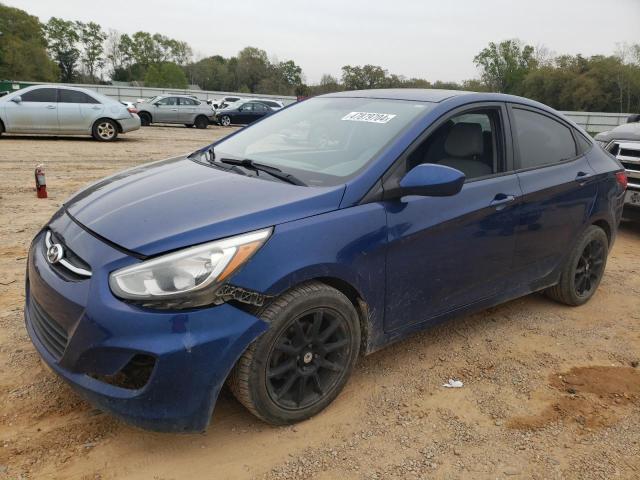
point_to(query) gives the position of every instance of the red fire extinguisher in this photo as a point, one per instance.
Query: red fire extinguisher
(41, 183)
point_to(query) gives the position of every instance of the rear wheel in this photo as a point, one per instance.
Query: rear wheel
(1, 128)
(303, 361)
(583, 270)
(202, 122)
(105, 130)
(145, 119)
(225, 120)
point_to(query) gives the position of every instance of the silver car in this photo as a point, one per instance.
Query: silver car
(61, 110)
(175, 109)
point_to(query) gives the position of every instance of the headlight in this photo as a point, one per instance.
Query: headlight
(189, 277)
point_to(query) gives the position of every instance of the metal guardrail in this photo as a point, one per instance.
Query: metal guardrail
(132, 94)
(592, 122)
(596, 122)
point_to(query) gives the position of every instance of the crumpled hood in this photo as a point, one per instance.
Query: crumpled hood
(176, 203)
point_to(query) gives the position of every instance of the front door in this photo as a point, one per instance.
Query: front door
(37, 112)
(166, 110)
(448, 252)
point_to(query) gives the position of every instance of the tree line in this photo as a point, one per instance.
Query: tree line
(72, 51)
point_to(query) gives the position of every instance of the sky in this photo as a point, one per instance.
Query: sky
(435, 40)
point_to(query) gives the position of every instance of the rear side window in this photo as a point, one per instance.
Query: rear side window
(73, 96)
(188, 101)
(542, 140)
(46, 95)
(584, 145)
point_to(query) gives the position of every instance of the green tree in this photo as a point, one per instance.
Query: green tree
(365, 77)
(252, 67)
(92, 39)
(504, 65)
(165, 75)
(63, 39)
(23, 53)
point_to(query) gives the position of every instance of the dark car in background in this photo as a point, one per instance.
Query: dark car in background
(272, 265)
(242, 113)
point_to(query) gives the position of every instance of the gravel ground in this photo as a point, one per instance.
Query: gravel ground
(549, 391)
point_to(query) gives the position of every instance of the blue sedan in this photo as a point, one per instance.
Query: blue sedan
(272, 259)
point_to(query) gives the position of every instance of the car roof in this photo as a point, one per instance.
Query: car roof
(416, 94)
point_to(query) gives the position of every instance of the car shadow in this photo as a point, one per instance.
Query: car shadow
(60, 138)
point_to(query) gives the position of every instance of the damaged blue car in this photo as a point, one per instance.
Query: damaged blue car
(272, 259)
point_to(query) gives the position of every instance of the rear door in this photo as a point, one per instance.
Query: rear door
(445, 253)
(77, 111)
(187, 109)
(36, 113)
(558, 191)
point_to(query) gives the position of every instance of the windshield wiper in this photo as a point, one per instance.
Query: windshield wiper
(273, 171)
(210, 159)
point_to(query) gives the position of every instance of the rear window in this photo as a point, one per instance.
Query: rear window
(46, 95)
(73, 96)
(541, 139)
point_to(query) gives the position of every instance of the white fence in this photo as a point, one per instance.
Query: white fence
(132, 94)
(596, 122)
(592, 122)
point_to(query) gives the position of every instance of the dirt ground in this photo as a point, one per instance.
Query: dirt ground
(549, 391)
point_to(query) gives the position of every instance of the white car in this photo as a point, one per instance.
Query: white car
(62, 110)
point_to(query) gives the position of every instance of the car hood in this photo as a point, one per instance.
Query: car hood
(177, 202)
(627, 131)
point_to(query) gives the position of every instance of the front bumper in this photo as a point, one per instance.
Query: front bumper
(130, 124)
(193, 351)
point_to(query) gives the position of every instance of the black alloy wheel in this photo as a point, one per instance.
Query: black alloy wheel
(308, 358)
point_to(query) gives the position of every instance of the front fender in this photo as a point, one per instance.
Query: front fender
(347, 244)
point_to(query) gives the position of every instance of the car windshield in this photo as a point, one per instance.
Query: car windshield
(323, 141)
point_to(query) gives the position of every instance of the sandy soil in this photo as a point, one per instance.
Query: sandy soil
(549, 391)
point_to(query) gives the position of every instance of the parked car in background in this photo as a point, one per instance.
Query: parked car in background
(242, 113)
(273, 266)
(62, 110)
(623, 142)
(182, 109)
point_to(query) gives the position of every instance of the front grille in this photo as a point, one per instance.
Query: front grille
(53, 336)
(626, 152)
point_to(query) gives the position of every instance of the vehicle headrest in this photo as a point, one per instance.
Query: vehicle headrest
(464, 140)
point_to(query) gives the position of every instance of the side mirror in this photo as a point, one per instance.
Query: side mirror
(432, 180)
(17, 99)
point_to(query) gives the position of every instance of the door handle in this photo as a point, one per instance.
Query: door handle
(174, 109)
(501, 200)
(583, 177)
(95, 108)
(51, 107)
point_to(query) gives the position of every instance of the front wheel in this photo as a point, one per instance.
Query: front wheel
(583, 270)
(303, 361)
(225, 120)
(145, 119)
(105, 130)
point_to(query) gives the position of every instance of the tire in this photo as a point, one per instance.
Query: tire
(288, 374)
(105, 130)
(1, 128)
(145, 119)
(201, 122)
(188, 125)
(583, 270)
(225, 120)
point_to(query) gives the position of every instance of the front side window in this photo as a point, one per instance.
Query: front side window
(470, 142)
(247, 107)
(73, 96)
(46, 95)
(541, 139)
(168, 101)
(325, 140)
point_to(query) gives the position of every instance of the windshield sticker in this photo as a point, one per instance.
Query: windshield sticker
(368, 117)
